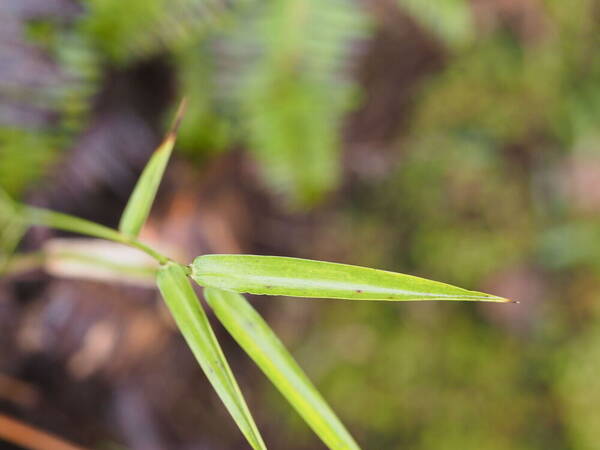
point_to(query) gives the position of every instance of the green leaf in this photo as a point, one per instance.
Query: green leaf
(274, 275)
(193, 324)
(138, 207)
(264, 347)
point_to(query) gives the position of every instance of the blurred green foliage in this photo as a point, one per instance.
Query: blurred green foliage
(23, 157)
(270, 76)
(495, 184)
(12, 228)
(450, 20)
(57, 105)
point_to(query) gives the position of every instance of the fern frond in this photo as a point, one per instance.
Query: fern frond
(135, 29)
(285, 68)
(47, 106)
(206, 129)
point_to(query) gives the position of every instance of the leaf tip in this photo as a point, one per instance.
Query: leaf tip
(178, 117)
(171, 136)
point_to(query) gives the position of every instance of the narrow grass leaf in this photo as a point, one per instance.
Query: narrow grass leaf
(193, 324)
(264, 347)
(138, 207)
(274, 275)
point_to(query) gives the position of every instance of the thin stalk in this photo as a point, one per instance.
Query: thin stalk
(66, 222)
(162, 259)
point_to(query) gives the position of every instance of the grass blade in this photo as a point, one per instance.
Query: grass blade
(264, 347)
(138, 207)
(274, 275)
(193, 323)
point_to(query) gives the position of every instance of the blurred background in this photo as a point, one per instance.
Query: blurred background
(456, 140)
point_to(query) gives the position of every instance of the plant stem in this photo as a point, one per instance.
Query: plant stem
(66, 222)
(162, 259)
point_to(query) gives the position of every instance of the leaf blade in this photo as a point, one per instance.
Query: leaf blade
(257, 339)
(140, 202)
(193, 324)
(274, 275)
